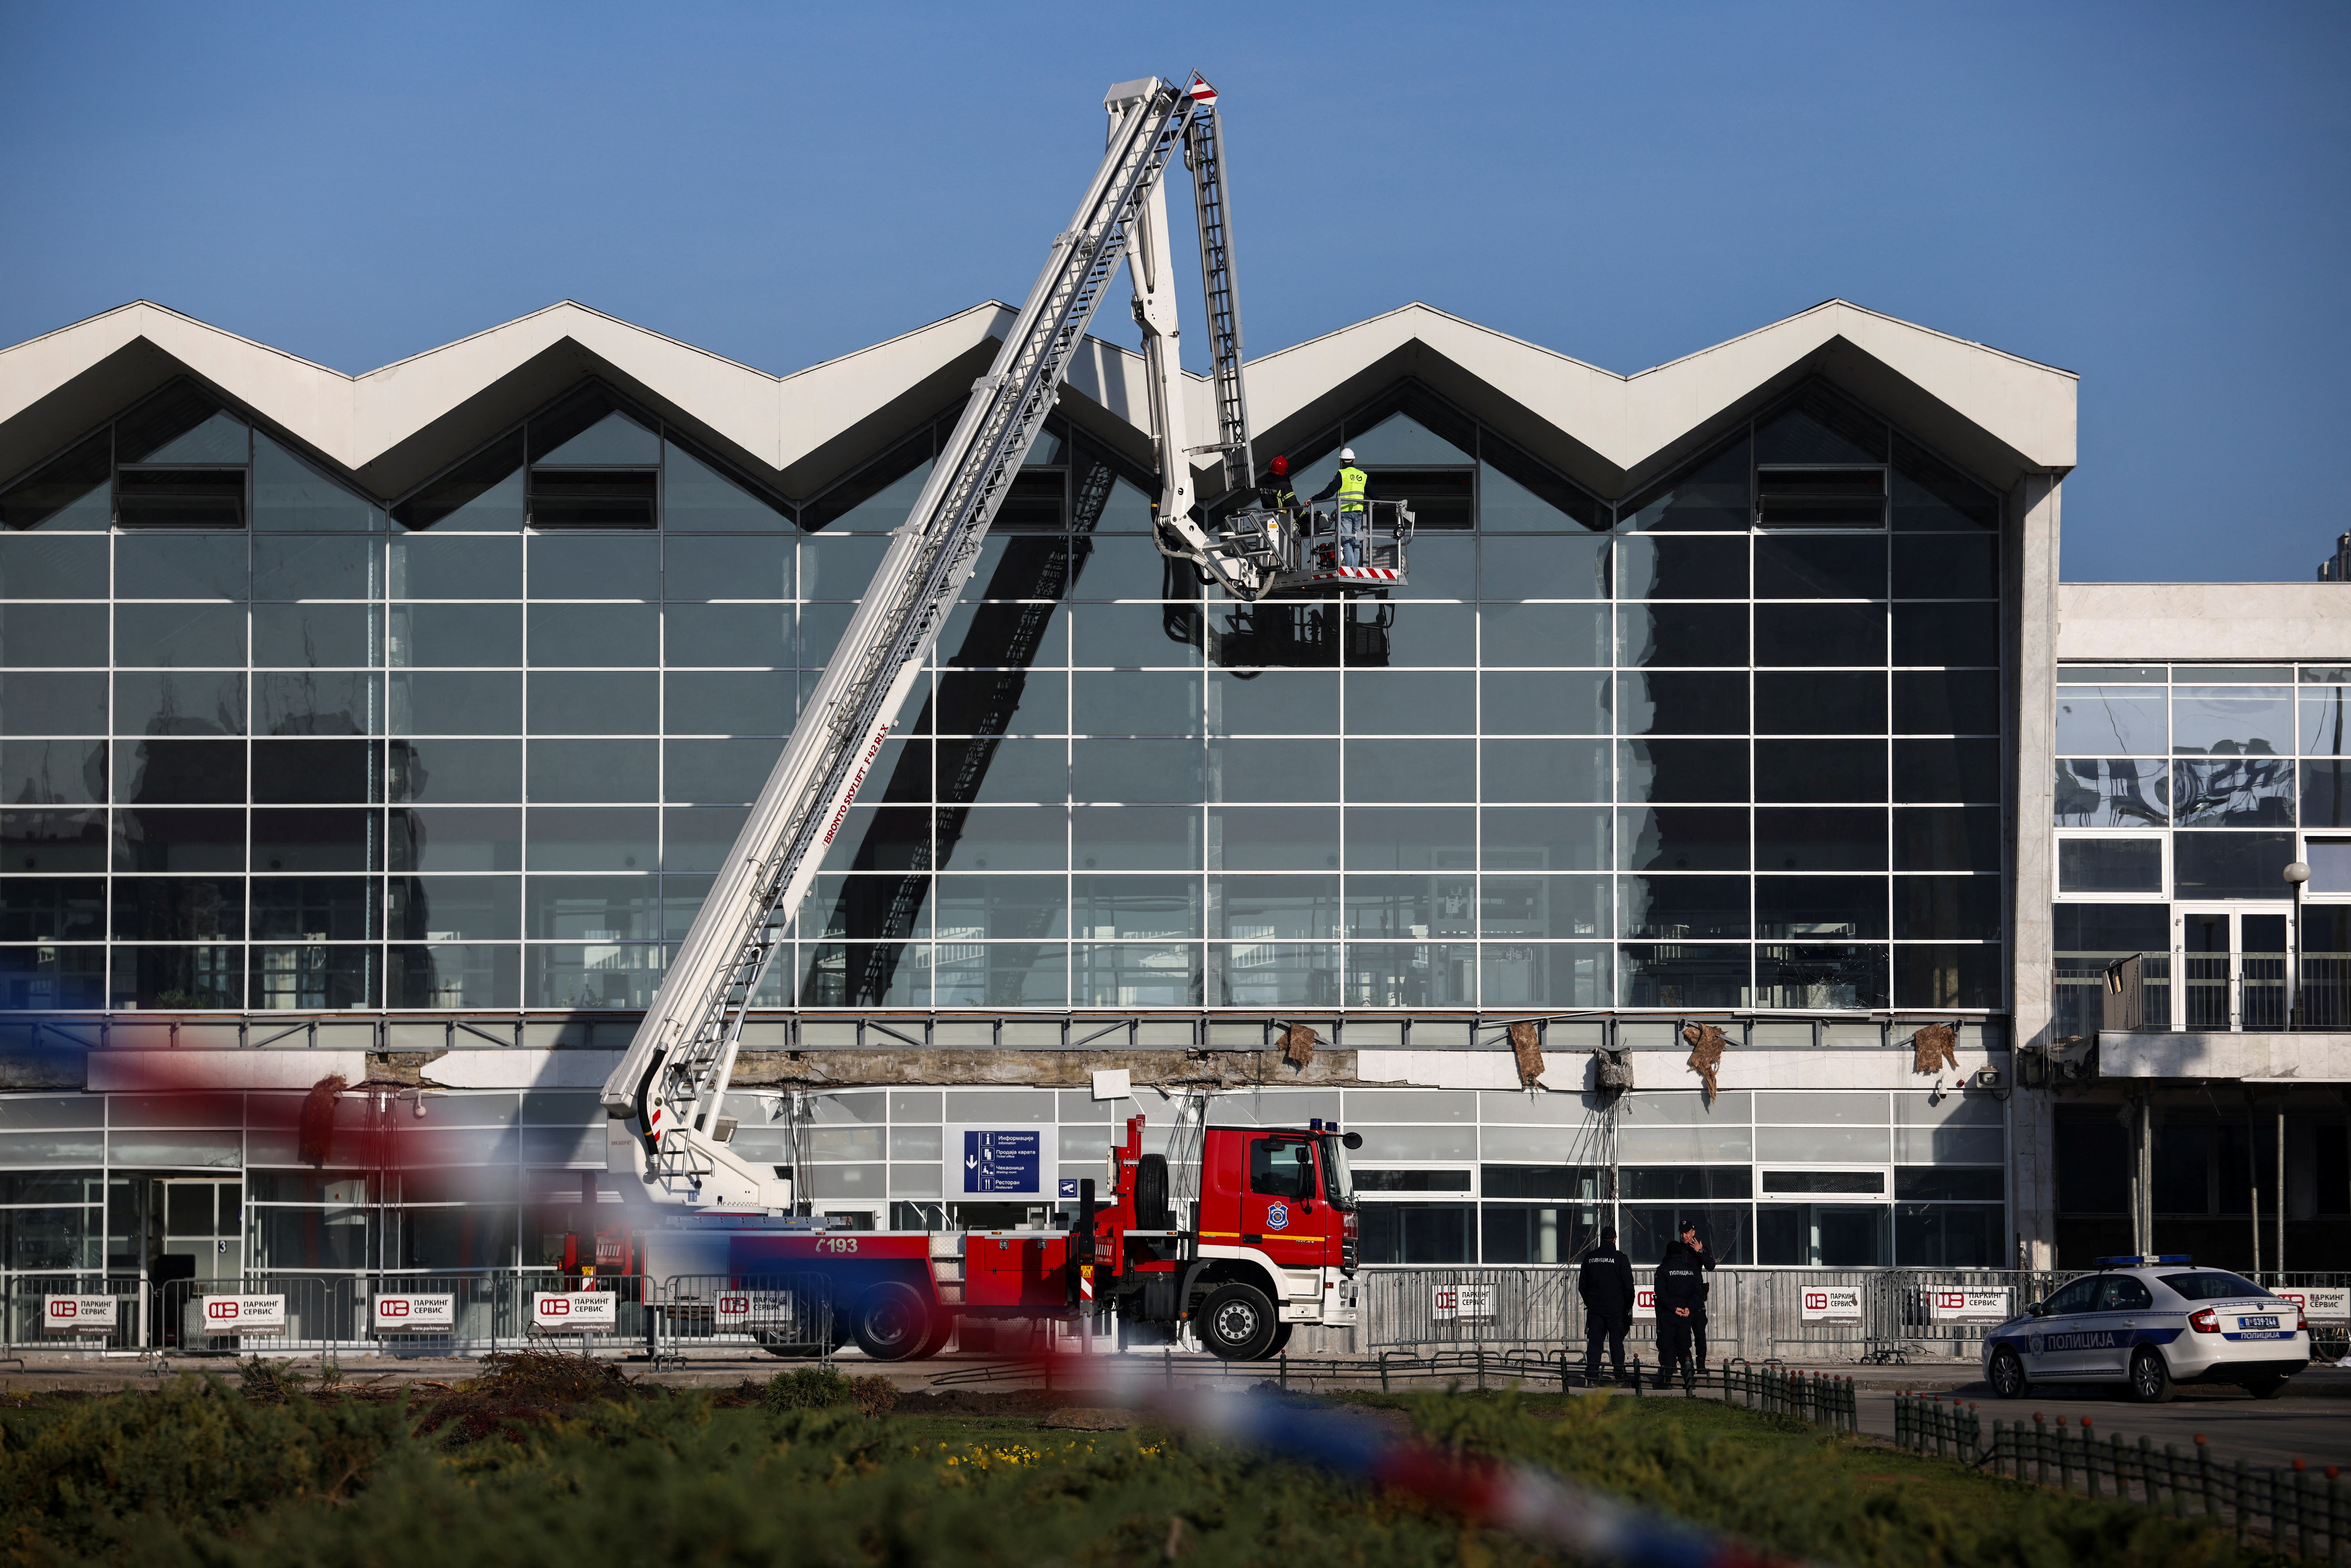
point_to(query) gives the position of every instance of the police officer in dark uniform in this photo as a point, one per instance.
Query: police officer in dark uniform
(1697, 1250)
(1680, 1285)
(1605, 1284)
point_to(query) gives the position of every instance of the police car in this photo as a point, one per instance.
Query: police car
(2148, 1323)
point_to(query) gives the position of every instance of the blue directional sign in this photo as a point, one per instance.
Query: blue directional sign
(1001, 1162)
(1069, 1186)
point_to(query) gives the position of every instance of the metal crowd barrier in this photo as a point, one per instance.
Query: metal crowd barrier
(73, 1311)
(412, 1314)
(784, 1314)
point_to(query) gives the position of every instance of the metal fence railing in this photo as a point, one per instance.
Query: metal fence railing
(93, 1312)
(783, 1315)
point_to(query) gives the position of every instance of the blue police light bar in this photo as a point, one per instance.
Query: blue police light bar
(2143, 1260)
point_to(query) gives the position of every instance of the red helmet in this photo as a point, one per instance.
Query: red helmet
(1280, 465)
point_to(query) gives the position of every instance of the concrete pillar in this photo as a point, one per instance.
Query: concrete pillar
(2031, 560)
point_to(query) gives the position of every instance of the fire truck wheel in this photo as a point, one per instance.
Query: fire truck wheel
(1280, 1340)
(890, 1323)
(1236, 1322)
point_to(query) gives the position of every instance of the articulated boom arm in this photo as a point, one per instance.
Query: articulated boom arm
(672, 1081)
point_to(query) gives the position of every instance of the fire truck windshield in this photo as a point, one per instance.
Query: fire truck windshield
(1338, 1181)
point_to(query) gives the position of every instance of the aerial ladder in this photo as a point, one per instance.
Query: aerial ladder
(669, 1088)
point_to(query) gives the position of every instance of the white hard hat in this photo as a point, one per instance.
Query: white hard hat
(1346, 455)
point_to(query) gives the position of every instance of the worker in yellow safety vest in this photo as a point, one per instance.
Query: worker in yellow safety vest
(1353, 488)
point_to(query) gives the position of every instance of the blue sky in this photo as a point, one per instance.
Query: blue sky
(2153, 195)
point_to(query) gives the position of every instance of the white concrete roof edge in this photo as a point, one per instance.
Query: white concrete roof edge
(1626, 419)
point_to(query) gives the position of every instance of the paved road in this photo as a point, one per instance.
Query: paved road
(2236, 1425)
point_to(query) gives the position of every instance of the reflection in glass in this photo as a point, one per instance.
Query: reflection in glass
(2231, 721)
(1820, 976)
(2112, 719)
(2104, 792)
(1676, 975)
(2110, 865)
(2233, 792)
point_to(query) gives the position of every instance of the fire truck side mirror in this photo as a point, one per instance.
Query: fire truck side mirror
(1353, 1140)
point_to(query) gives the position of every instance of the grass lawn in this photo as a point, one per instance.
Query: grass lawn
(557, 1462)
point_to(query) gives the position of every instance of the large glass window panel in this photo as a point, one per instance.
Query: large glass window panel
(698, 499)
(2109, 866)
(1697, 908)
(568, 771)
(592, 839)
(1542, 906)
(696, 839)
(1277, 908)
(1544, 635)
(1410, 771)
(314, 976)
(1930, 494)
(148, 839)
(1649, 567)
(1410, 974)
(1681, 702)
(1710, 496)
(152, 702)
(1814, 907)
(454, 908)
(1404, 907)
(1553, 568)
(1946, 566)
(1426, 838)
(1947, 770)
(1102, 908)
(62, 840)
(1946, 701)
(1263, 769)
(1147, 974)
(179, 977)
(2231, 721)
(183, 636)
(1810, 566)
(1553, 973)
(2220, 864)
(307, 567)
(1682, 975)
(1683, 634)
(52, 566)
(179, 772)
(2108, 720)
(1673, 771)
(180, 424)
(290, 494)
(2232, 792)
(1136, 769)
(2325, 794)
(75, 491)
(1516, 493)
(594, 977)
(873, 909)
(878, 497)
(483, 494)
(756, 636)
(318, 702)
(1135, 838)
(453, 975)
(2326, 719)
(1274, 702)
(598, 702)
(728, 568)
(62, 634)
(717, 771)
(1274, 838)
(53, 772)
(178, 909)
(1947, 974)
(594, 635)
(428, 636)
(1009, 838)
(1545, 839)
(1821, 770)
(1273, 974)
(42, 704)
(2112, 792)
(52, 909)
(992, 771)
(318, 838)
(729, 701)
(1947, 839)
(470, 702)
(1416, 635)
(316, 908)
(1535, 771)
(1946, 635)
(1556, 702)
(43, 978)
(1031, 908)
(841, 568)
(1966, 908)
(456, 568)
(317, 772)
(1400, 702)
(1819, 634)
(1819, 426)
(317, 636)
(1823, 702)
(1686, 837)
(1127, 636)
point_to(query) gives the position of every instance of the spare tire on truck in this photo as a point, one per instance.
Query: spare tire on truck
(1151, 1193)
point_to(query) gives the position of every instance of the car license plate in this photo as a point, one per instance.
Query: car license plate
(2268, 1321)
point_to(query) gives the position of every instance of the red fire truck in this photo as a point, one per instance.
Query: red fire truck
(1267, 1241)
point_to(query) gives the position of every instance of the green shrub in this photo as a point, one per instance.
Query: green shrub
(822, 1388)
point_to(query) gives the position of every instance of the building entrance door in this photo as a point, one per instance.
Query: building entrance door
(203, 1220)
(2231, 965)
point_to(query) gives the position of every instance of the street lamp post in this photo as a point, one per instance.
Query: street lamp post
(2297, 875)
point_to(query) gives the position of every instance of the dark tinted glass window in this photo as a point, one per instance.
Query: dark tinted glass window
(485, 493)
(1679, 703)
(1946, 566)
(316, 772)
(1943, 839)
(1810, 634)
(1708, 496)
(1820, 497)
(1962, 1183)
(1681, 568)
(52, 909)
(180, 497)
(1947, 974)
(1810, 567)
(2209, 864)
(1683, 633)
(1830, 702)
(1820, 906)
(73, 492)
(1947, 770)
(1819, 426)
(178, 909)
(1846, 839)
(1698, 907)
(1946, 701)
(2211, 1285)
(316, 908)
(1950, 907)
(1947, 634)
(1684, 838)
(1825, 770)
(1930, 494)
(1679, 770)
